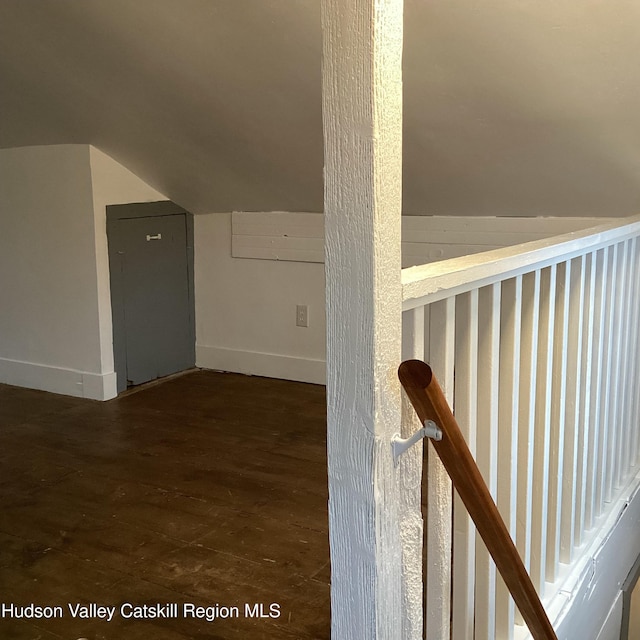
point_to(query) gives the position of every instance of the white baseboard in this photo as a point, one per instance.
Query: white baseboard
(70, 382)
(269, 365)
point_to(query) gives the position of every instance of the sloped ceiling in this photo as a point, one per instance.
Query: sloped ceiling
(523, 107)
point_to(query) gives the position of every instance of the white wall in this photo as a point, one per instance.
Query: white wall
(47, 269)
(55, 319)
(612, 626)
(245, 305)
(634, 613)
(246, 309)
(55, 325)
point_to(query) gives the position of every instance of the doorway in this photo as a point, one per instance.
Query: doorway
(152, 302)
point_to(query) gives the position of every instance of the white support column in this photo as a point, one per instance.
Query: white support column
(374, 519)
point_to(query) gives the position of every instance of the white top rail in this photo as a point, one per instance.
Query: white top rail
(429, 283)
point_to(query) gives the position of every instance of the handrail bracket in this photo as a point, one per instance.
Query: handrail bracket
(399, 444)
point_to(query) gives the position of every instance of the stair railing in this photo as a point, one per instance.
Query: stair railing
(430, 404)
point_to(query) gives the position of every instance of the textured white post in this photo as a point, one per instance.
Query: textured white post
(374, 518)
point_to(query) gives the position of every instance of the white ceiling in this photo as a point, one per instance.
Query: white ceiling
(512, 107)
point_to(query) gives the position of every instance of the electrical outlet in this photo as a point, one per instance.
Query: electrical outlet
(302, 315)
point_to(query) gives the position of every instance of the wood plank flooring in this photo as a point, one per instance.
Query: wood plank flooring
(206, 489)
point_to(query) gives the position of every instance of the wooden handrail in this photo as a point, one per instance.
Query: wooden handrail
(430, 404)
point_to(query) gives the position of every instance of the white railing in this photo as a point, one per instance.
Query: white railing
(536, 348)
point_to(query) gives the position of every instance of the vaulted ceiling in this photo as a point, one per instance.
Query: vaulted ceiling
(512, 107)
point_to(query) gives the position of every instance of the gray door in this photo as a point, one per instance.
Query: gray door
(151, 297)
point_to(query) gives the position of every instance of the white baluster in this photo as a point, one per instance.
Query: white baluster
(487, 447)
(439, 499)
(465, 409)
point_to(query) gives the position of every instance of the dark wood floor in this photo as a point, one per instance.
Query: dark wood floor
(207, 489)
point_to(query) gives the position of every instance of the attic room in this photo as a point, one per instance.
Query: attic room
(518, 124)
